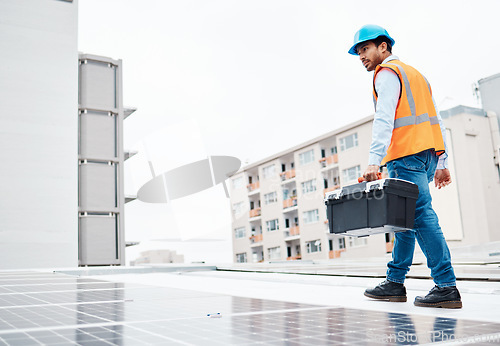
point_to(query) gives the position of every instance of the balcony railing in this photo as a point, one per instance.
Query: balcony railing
(294, 258)
(254, 212)
(287, 175)
(256, 238)
(253, 186)
(332, 188)
(330, 160)
(291, 202)
(335, 253)
(292, 231)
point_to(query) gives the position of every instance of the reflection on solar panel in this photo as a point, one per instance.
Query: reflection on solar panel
(38, 308)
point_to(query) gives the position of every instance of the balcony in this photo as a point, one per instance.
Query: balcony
(330, 160)
(292, 232)
(256, 239)
(290, 203)
(335, 253)
(253, 187)
(287, 175)
(254, 212)
(328, 189)
(294, 258)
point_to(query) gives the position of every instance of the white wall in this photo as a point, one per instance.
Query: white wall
(306, 202)
(273, 210)
(38, 133)
(477, 179)
(240, 245)
(446, 201)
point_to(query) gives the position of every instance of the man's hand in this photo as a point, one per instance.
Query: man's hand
(371, 173)
(442, 178)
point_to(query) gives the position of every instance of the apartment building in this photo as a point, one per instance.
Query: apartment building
(277, 203)
(278, 209)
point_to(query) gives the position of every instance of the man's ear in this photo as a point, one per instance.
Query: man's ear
(383, 47)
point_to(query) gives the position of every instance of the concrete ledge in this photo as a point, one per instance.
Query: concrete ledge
(153, 268)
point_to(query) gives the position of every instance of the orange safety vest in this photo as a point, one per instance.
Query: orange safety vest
(416, 126)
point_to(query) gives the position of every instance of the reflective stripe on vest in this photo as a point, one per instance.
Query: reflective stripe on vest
(409, 95)
(415, 120)
(411, 134)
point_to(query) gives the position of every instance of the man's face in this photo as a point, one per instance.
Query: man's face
(370, 55)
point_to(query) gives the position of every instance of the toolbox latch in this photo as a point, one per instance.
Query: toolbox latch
(336, 194)
(375, 185)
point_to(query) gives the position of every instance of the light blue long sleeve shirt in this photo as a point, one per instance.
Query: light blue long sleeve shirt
(388, 88)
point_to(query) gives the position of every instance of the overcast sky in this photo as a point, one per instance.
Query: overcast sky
(251, 78)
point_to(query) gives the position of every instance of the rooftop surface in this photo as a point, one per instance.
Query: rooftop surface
(267, 303)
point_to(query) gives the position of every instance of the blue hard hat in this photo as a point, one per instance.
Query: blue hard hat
(367, 33)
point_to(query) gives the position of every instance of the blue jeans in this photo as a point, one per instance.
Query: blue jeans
(420, 169)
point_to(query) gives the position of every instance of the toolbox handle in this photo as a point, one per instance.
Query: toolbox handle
(361, 179)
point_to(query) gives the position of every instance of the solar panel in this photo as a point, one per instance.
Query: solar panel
(59, 309)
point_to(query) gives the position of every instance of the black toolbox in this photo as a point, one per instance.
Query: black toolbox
(366, 208)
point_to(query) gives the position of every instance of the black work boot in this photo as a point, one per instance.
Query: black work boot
(441, 297)
(388, 290)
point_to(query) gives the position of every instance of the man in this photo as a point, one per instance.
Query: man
(409, 137)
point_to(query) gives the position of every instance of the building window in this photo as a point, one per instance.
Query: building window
(272, 225)
(274, 253)
(351, 174)
(313, 246)
(334, 150)
(310, 216)
(355, 242)
(348, 142)
(269, 171)
(341, 243)
(270, 197)
(309, 186)
(241, 257)
(237, 183)
(239, 232)
(238, 208)
(306, 157)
